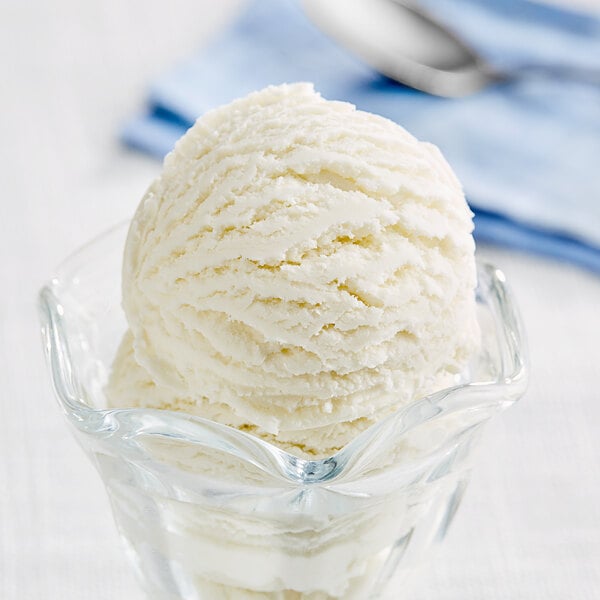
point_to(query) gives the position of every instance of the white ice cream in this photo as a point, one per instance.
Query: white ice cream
(299, 270)
(301, 265)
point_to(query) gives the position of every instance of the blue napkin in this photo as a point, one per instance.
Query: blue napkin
(527, 150)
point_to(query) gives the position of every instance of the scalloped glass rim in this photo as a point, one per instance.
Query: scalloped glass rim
(483, 397)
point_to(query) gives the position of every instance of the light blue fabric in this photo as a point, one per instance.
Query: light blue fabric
(527, 150)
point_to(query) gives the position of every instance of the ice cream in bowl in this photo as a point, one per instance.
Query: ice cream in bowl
(281, 365)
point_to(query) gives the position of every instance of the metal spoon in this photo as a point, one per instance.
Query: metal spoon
(405, 43)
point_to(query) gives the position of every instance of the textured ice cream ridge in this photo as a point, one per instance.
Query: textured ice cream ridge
(299, 269)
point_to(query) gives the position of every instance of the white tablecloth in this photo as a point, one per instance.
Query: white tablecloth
(529, 527)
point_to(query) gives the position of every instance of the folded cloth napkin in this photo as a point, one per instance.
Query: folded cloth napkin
(527, 150)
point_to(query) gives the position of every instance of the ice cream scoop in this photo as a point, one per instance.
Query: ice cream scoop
(300, 269)
(407, 43)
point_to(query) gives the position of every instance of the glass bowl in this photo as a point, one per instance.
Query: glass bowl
(208, 512)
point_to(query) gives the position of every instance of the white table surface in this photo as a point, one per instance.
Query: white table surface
(72, 71)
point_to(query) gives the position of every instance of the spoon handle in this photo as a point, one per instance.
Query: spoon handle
(562, 72)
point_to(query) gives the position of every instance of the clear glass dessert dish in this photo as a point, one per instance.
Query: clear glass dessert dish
(208, 512)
